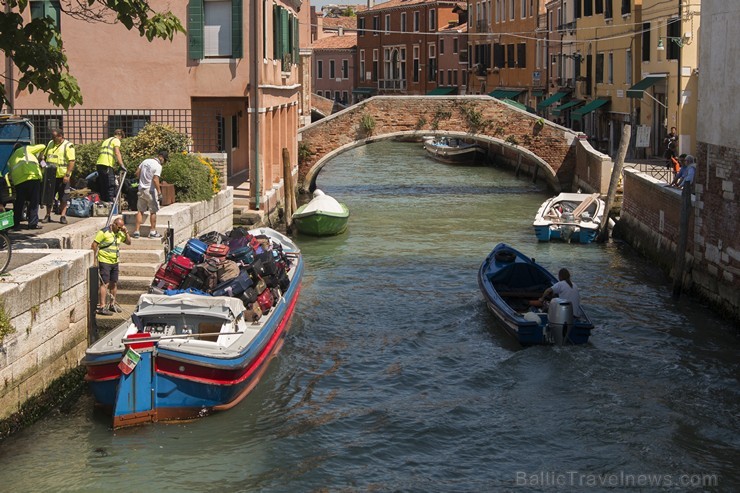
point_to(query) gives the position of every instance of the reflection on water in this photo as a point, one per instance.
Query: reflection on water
(393, 376)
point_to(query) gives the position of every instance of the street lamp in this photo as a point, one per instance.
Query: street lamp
(680, 41)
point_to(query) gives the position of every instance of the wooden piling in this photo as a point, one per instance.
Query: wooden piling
(614, 182)
(683, 240)
(288, 190)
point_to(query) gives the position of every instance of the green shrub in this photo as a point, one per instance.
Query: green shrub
(152, 138)
(192, 179)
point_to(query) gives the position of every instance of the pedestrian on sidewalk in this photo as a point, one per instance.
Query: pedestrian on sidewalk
(106, 249)
(149, 193)
(670, 142)
(61, 153)
(25, 175)
(110, 154)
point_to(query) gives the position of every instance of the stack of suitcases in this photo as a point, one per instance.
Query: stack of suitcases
(239, 265)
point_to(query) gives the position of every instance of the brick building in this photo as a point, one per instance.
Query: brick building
(398, 45)
(334, 66)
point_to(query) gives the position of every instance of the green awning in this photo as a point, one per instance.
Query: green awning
(537, 93)
(442, 91)
(551, 100)
(557, 111)
(592, 106)
(638, 89)
(516, 104)
(363, 90)
(505, 93)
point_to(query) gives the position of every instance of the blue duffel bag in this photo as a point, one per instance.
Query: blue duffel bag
(80, 207)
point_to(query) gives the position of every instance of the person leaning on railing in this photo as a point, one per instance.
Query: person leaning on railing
(687, 172)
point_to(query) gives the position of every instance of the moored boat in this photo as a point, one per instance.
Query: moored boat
(186, 355)
(452, 150)
(508, 280)
(322, 216)
(571, 217)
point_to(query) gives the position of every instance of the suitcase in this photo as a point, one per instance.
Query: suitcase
(179, 266)
(194, 250)
(165, 280)
(213, 237)
(234, 287)
(170, 292)
(249, 296)
(268, 264)
(244, 254)
(48, 185)
(264, 301)
(194, 281)
(283, 281)
(271, 281)
(264, 240)
(101, 209)
(237, 233)
(217, 251)
(227, 270)
(207, 272)
(252, 312)
(260, 286)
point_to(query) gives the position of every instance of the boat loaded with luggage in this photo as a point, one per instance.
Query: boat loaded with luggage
(199, 341)
(508, 280)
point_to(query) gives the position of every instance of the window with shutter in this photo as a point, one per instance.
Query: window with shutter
(195, 29)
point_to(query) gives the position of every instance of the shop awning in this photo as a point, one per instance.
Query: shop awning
(516, 104)
(592, 106)
(557, 111)
(551, 100)
(442, 91)
(505, 93)
(638, 89)
(363, 90)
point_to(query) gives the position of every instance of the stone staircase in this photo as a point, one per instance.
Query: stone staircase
(138, 264)
(243, 215)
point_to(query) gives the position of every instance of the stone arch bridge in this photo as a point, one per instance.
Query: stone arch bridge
(512, 136)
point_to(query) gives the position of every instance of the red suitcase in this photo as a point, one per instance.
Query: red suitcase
(265, 301)
(217, 251)
(163, 279)
(179, 266)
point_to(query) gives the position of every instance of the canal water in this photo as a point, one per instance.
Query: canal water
(394, 378)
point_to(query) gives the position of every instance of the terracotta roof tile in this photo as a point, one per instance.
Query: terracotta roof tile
(335, 22)
(345, 42)
(402, 3)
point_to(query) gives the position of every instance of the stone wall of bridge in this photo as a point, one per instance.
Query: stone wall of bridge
(514, 137)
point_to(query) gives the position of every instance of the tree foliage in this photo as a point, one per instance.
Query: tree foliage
(37, 50)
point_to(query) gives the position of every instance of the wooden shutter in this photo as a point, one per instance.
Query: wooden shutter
(195, 29)
(276, 31)
(237, 43)
(285, 32)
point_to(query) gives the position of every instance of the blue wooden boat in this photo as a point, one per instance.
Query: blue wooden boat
(188, 355)
(508, 280)
(571, 217)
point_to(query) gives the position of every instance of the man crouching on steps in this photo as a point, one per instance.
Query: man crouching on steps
(148, 174)
(105, 246)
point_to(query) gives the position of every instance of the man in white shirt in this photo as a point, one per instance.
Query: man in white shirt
(148, 174)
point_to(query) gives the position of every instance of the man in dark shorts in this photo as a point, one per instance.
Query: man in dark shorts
(61, 153)
(106, 248)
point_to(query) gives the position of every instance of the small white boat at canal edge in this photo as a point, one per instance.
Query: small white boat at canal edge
(452, 150)
(322, 216)
(187, 355)
(570, 217)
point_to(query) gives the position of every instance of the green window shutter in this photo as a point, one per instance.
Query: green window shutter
(275, 31)
(237, 42)
(296, 44)
(285, 33)
(195, 29)
(37, 10)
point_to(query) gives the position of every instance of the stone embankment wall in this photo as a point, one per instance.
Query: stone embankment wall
(593, 169)
(649, 222)
(43, 312)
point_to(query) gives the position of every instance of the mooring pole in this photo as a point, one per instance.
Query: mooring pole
(287, 188)
(683, 240)
(614, 182)
(518, 166)
(92, 294)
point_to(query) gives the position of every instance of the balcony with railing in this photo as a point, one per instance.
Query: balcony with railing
(392, 85)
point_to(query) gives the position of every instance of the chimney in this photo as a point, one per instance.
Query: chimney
(341, 31)
(370, 4)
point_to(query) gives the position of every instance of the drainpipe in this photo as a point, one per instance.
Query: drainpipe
(255, 106)
(679, 79)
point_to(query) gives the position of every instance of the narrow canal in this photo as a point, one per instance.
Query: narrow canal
(393, 377)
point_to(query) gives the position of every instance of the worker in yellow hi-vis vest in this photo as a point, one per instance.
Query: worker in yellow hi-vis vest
(110, 154)
(25, 175)
(61, 153)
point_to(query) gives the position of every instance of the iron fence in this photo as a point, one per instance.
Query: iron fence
(657, 171)
(204, 126)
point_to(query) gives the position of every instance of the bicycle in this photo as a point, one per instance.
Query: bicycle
(6, 248)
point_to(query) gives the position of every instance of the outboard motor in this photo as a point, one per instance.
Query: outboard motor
(559, 320)
(567, 230)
